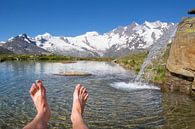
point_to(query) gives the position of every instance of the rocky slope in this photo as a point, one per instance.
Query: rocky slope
(5, 51)
(22, 44)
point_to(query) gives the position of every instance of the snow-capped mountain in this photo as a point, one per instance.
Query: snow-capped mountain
(22, 44)
(135, 37)
(117, 42)
(65, 45)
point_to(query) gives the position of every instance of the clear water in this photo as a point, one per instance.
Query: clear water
(114, 101)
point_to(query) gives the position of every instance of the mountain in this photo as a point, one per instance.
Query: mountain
(65, 46)
(137, 37)
(23, 44)
(5, 51)
(118, 42)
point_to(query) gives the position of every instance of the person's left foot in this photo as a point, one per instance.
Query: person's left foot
(38, 95)
(80, 97)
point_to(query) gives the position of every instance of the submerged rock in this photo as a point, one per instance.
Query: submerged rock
(68, 62)
(1, 60)
(74, 74)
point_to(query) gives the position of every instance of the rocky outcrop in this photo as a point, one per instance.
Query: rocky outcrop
(181, 60)
(22, 44)
(5, 51)
(73, 73)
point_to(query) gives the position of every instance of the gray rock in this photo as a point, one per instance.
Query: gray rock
(23, 45)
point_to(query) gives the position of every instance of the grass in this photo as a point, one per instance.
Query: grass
(190, 19)
(96, 59)
(52, 58)
(155, 72)
(186, 31)
(158, 74)
(133, 61)
(185, 26)
(190, 30)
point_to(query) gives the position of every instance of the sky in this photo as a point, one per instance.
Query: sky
(76, 17)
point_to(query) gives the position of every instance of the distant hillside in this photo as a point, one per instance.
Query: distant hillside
(5, 51)
(23, 45)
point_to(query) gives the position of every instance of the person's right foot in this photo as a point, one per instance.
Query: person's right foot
(80, 97)
(38, 95)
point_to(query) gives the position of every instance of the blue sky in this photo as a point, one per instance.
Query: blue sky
(75, 17)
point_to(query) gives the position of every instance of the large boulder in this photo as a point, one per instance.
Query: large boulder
(181, 59)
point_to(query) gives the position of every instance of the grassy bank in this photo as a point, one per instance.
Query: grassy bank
(133, 61)
(52, 58)
(155, 72)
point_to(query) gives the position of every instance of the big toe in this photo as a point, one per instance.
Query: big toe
(41, 87)
(77, 88)
(39, 84)
(33, 89)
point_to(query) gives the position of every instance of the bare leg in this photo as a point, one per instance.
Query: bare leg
(38, 95)
(80, 96)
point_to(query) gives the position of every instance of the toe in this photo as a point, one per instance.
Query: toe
(86, 97)
(41, 87)
(84, 91)
(44, 90)
(81, 90)
(76, 91)
(77, 88)
(39, 84)
(33, 89)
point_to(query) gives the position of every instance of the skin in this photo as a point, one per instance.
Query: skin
(40, 121)
(80, 97)
(38, 95)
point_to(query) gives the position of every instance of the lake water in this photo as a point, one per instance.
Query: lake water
(115, 102)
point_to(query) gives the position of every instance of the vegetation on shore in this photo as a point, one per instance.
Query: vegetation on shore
(155, 72)
(133, 61)
(52, 58)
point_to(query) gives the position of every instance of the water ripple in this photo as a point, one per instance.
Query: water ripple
(114, 102)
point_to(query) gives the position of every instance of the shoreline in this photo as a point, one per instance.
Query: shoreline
(50, 58)
(67, 59)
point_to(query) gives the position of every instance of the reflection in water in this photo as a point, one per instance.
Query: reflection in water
(179, 111)
(100, 68)
(114, 102)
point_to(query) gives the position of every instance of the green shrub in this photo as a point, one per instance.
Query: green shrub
(133, 61)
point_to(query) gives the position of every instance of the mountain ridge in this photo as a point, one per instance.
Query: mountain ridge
(116, 42)
(22, 44)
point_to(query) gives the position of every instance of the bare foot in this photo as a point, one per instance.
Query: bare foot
(80, 97)
(38, 95)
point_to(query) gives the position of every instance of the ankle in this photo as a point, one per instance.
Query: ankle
(43, 116)
(41, 123)
(76, 117)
